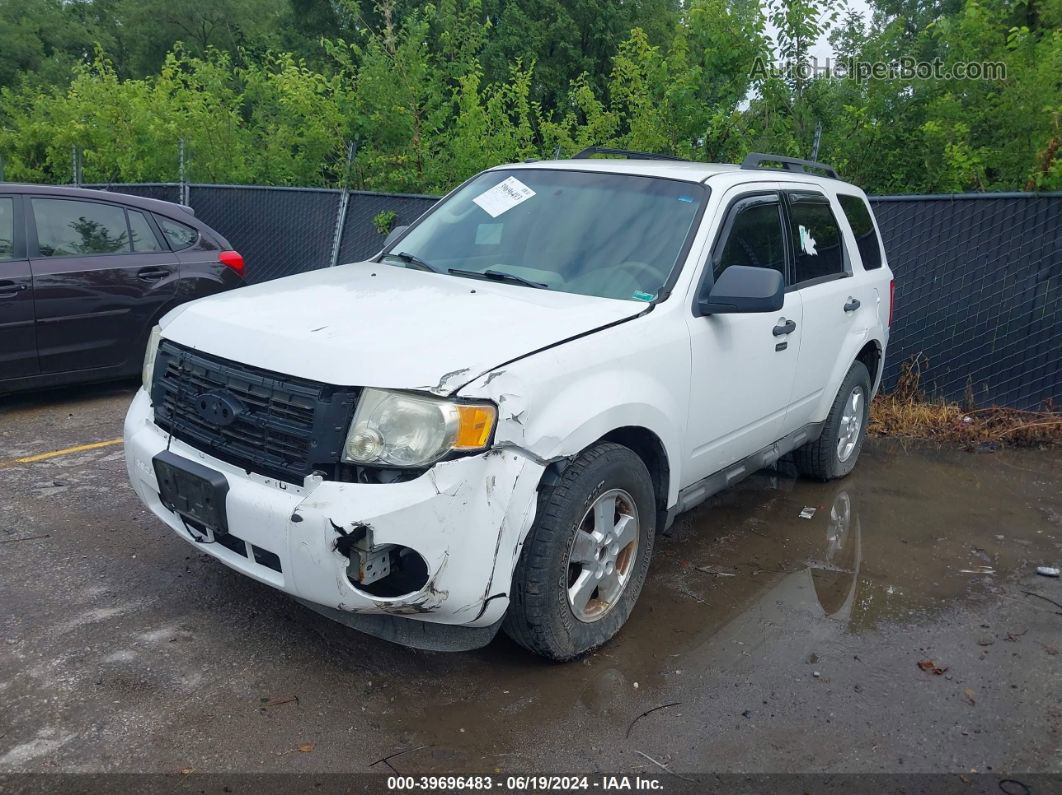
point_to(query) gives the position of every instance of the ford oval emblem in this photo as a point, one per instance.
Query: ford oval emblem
(218, 408)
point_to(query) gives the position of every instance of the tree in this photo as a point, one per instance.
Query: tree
(297, 117)
(400, 102)
(44, 39)
(568, 38)
(431, 93)
(152, 27)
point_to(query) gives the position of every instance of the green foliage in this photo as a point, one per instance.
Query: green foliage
(272, 91)
(945, 135)
(400, 104)
(147, 29)
(384, 221)
(43, 39)
(297, 118)
(568, 38)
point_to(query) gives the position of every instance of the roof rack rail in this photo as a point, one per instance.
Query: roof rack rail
(590, 151)
(754, 160)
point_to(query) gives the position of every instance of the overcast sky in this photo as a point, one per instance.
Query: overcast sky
(822, 48)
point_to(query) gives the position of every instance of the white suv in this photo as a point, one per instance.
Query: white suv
(485, 425)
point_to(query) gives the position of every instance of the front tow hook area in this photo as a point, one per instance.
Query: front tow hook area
(387, 570)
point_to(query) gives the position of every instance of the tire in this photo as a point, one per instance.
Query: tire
(559, 554)
(826, 458)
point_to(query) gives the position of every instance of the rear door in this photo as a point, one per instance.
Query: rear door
(18, 346)
(822, 275)
(101, 275)
(865, 246)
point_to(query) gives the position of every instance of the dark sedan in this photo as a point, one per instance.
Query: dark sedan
(86, 274)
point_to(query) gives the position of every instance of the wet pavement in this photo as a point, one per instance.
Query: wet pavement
(763, 641)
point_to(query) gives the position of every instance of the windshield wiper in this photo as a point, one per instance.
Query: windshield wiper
(412, 259)
(498, 276)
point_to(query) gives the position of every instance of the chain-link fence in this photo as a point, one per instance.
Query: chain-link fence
(283, 231)
(279, 231)
(978, 294)
(361, 238)
(979, 277)
(166, 191)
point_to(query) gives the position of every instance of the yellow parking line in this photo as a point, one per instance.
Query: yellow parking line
(32, 459)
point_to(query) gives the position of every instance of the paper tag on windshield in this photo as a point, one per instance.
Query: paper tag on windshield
(504, 196)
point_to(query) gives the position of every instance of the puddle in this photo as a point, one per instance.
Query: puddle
(762, 641)
(891, 547)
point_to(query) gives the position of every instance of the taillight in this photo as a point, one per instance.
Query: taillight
(231, 259)
(892, 299)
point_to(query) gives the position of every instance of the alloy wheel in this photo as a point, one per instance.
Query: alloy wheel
(851, 425)
(602, 555)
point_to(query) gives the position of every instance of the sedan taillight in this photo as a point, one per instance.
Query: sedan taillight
(231, 259)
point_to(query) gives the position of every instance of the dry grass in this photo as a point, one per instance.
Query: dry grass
(904, 413)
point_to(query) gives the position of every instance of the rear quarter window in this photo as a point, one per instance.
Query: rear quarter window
(858, 215)
(178, 235)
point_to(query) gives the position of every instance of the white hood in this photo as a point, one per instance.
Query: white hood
(371, 324)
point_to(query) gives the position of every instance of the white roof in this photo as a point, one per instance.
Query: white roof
(688, 170)
(675, 169)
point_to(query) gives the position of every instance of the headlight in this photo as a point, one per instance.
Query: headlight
(403, 430)
(149, 357)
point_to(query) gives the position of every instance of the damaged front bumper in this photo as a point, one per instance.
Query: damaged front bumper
(464, 518)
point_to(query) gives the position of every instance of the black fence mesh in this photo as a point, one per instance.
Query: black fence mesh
(979, 277)
(279, 231)
(361, 238)
(978, 295)
(166, 191)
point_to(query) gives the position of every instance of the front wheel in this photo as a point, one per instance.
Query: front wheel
(834, 453)
(586, 556)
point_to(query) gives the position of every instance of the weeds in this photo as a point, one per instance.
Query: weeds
(905, 413)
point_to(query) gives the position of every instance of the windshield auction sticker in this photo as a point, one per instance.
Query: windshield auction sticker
(504, 196)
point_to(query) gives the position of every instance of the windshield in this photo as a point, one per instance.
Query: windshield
(609, 235)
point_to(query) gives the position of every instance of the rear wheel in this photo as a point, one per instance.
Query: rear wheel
(586, 556)
(834, 453)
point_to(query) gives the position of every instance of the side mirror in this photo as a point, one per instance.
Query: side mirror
(741, 288)
(394, 234)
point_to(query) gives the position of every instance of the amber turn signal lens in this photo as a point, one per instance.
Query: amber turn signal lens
(475, 426)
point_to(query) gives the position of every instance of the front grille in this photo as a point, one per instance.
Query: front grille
(282, 427)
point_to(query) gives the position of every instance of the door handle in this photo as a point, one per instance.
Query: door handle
(852, 305)
(153, 274)
(9, 289)
(784, 327)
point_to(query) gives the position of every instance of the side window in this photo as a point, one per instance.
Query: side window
(7, 229)
(141, 233)
(177, 234)
(858, 215)
(816, 237)
(67, 228)
(753, 236)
